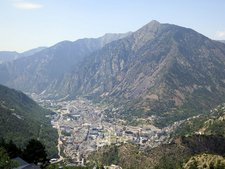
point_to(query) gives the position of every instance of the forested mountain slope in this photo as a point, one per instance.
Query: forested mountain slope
(22, 119)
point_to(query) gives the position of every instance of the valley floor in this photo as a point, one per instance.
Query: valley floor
(83, 127)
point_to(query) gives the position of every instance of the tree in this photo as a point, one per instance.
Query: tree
(12, 150)
(35, 152)
(5, 161)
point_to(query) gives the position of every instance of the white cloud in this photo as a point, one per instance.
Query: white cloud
(220, 35)
(27, 5)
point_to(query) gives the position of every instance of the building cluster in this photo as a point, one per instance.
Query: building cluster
(83, 128)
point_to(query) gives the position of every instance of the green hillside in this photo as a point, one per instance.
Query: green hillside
(22, 119)
(214, 123)
(167, 156)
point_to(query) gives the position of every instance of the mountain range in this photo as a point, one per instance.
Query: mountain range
(161, 69)
(45, 69)
(7, 56)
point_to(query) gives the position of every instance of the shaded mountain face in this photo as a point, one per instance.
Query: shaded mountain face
(22, 119)
(32, 51)
(160, 69)
(45, 69)
(6, 56)
(223, 41)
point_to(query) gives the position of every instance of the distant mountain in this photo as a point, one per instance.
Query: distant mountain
(161, 69)
(6, 56)
(32, 51)
(22, 119)
(223, 41)
(44, 70)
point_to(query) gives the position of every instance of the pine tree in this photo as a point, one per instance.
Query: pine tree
(35, 152)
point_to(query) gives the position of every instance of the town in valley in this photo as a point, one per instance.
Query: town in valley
(84, 127)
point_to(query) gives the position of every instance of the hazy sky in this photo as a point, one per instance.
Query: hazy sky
(26, 24)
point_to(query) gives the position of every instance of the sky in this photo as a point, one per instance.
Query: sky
(27, 24)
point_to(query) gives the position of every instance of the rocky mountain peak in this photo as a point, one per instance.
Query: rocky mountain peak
(110, 37)
(146, 33)
(153, 23)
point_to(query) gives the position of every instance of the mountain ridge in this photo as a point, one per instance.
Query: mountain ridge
(8, 56)
(47, 67)
(160, 69)
(172, 52)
